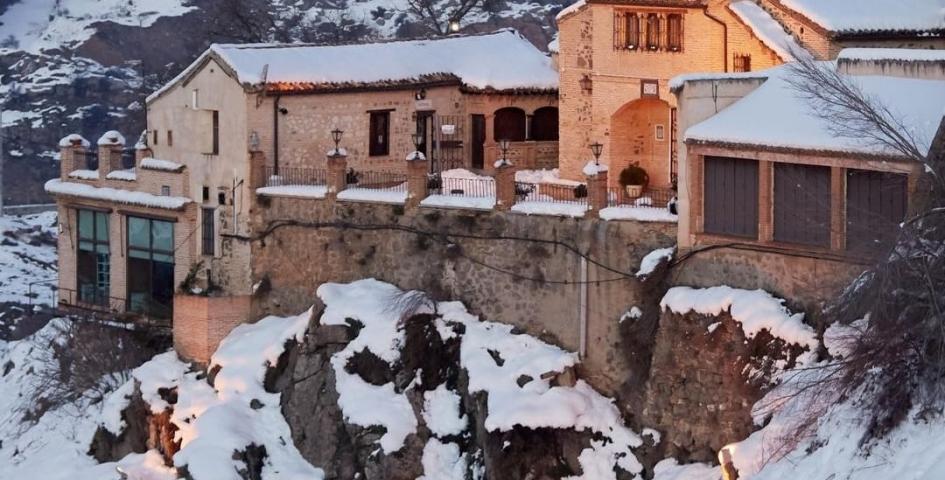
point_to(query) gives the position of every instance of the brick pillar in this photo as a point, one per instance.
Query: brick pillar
(765, 205)
(596, 190)
(257, 170)
(337, 171)
(417, 168)
(72, 150)
(110, 147)
(142, 152)
(504, 185)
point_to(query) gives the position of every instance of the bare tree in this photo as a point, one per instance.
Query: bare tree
(894, 358)
(438, 15)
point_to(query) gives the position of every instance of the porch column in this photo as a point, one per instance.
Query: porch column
(72, 150)
(257, 170)
(596, 176)
(337, 171)
(765, 217)
(110, 147)
(838, 214)
(417, 168)
(504, 185)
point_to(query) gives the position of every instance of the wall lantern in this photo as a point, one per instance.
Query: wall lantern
(596, 149)
(336, 136)
(417, 140)
(420, 94)
(586, 84)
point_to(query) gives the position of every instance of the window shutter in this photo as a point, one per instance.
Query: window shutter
(730, 199)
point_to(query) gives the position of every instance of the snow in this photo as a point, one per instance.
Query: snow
(593, 168)
(337, 152)
(502, 162)
(416, 155)
(767, 29)
(164, 165)
(679, 81)
(756, 310)
(633, 314)
(442, 461)
(36, 25)
(891, 54)
(872, 15)
(128, 175)
(670, 469)
(774, 116)
(84, 174)
(294, 191)
(111, 137)
(68, 140)
(114, 404)
(653, 259)
(478, 61)
(373, 195)
(559, 209)
(23, 263)
(544, 176)
(555, 45)
(71, 189)
(459, 201)
(574, 7)
(640, 214)
(441, 412)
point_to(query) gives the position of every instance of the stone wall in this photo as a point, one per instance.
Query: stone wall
(506, 267)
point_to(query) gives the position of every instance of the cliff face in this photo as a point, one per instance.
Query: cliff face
(76, 66)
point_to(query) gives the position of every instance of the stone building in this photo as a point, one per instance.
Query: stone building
(616, 57)
(775, 196)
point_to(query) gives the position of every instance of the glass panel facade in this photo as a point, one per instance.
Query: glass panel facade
(150, 267)
(93, 261)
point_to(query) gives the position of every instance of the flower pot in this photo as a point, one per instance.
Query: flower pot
(634, 191)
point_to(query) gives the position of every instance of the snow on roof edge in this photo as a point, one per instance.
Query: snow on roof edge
(128, 197)
(679, 81)
(890, 55)
(771, 33)
(573, 8)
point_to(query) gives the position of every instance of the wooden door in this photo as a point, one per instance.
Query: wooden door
(478, 141)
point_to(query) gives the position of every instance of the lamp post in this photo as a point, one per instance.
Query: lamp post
(454, 25)
(336, 137)
(417, 140)
(504, 146)
(596, 149)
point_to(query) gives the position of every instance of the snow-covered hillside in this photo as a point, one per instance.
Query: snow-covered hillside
(28, 258)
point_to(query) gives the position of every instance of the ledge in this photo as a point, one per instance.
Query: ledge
(127, 197)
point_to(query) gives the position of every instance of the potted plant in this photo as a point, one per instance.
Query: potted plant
(634, 179)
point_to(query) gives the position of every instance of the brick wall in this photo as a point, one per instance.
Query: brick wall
(200, 323)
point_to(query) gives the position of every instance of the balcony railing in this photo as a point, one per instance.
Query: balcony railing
(389, 181)
(461, 186)
(116, 309)
(550, 192)
(651, 197)
(294, 176)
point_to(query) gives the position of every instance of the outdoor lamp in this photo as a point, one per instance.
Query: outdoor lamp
(586, 84)
(336, 136)
(417, 140)
(504, 146)
(596, 149)
(454, 26)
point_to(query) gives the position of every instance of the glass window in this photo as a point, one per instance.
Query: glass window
(150, 267)
(93, 261)
(139, 232)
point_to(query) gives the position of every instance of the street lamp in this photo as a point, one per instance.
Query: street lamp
(504, 146)
(417, 140)
(596, 149)
(454, 26)
(336, 137)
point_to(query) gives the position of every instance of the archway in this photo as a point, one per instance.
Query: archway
(545, 124)
(640, 135)
(509, 124)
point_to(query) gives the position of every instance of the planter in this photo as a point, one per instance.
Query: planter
(634, 191)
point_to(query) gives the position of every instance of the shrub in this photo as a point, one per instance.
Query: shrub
(634, 175)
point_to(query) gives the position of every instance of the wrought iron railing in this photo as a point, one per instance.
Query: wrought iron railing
(117, 309)
(294, 176)
(650, 197)
(390, 181)
(461, 186)
(550, 192)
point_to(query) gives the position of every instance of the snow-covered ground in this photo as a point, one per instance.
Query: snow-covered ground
(28, 258)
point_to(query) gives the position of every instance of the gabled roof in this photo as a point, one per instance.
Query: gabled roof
(499, 61)
(872, 16)
(771, 33)
(774, 116)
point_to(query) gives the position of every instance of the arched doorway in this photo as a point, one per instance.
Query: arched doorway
(509, 124)
(640, 135)
(545, 124)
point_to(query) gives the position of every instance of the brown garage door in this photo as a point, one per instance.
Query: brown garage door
(731, 196)
(876, 205)
(802, 204)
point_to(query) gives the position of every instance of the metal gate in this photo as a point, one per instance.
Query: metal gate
(443, 140)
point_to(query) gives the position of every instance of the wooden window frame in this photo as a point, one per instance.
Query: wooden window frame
(208, 231)
(215, 132)
(99, 300)
(378, 142)
(674, 32)
(741, 62)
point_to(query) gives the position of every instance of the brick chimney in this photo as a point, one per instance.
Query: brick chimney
(72, 150)
(110, 146)
(142, 149)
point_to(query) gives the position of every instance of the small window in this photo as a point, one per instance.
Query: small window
(208, 236)
(154, 134)
(195, 99)
(380, 133)
(215, 149)
(741, 63)
(165, 190)
(170, 138)
(206, 194)
(674, 32)
(632, 41)
(653, 31)
(221, 198)
(660, 133)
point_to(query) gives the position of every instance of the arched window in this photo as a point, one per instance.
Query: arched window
(509, 124)
(653, 31)
(545, 124)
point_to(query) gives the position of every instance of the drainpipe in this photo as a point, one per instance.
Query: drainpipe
(724, 38)
(582, 313)
(275, 135)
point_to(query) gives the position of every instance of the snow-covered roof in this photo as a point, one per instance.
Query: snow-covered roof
(503, 60)
(163, 165)
(574, 7)
(128, 197)
(767, 29)
(773, 115)
(891, 55)
(680, 81)
(852, 16)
